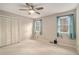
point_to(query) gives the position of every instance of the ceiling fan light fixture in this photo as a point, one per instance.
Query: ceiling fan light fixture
(31, 11)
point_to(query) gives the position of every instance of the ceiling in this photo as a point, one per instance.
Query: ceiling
(49, 8)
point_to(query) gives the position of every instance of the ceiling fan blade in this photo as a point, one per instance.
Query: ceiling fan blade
(27, 4)
(39, 8)
(37, 12)
(23, 9)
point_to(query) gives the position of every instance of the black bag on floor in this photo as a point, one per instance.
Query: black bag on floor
(55, 41)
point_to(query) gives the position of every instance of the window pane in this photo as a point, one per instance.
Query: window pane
(37, 26)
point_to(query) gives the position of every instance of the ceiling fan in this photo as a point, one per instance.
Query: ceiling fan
(31, 8)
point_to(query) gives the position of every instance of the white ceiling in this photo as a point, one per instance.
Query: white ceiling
(49, 8)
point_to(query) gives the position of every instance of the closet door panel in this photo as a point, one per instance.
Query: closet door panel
(14, 31)
(24, 30)
(8, 31)
(17, 30)
(4, 31)
(21, 35)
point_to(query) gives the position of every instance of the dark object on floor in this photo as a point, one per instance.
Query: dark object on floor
(55, 41)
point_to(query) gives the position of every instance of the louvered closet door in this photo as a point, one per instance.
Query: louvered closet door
(14, 31)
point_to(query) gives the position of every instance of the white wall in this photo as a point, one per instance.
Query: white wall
(49, 29)
(14, 28)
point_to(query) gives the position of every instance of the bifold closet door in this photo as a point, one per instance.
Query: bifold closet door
(4, 33)
(8, 30)
(23, 37)
(20, 30)
(15, 29)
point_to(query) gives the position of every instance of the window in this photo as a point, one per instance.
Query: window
(63, 24)
(37, 27)
(66, 25)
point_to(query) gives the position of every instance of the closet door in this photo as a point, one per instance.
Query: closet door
(17, 30)
(8, 30)
(14, 30)
(4, 40)
(5, 34)
(21, 29)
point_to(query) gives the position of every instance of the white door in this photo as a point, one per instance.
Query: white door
(14, 31)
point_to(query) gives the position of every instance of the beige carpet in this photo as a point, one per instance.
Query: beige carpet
(34, 47)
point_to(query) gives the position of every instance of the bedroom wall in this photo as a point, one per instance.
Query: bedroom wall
(14, 28)
(77, 40)
(49, 29)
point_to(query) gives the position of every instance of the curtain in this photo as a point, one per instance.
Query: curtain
(57, 22)
(33, 28)
(41, 27)
(72, 32)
